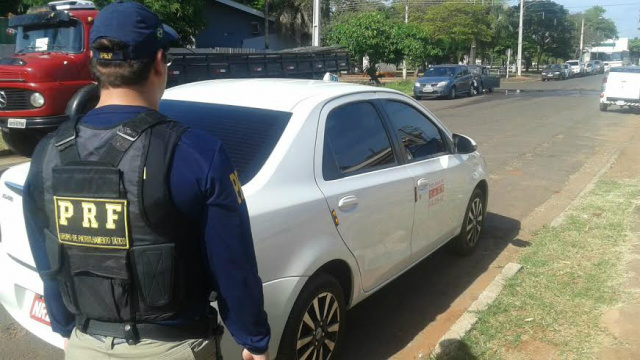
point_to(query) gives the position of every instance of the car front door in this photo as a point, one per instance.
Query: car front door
(370, 196)
(438, 174)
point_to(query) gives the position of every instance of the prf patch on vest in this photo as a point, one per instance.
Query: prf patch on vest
(98, 223)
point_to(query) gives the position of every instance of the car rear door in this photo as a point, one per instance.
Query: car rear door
(491, 79)
(369, 194)
(439, 176)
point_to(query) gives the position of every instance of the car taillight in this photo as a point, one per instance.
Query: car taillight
(604, 81)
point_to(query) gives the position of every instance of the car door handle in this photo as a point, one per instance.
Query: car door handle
(348, 203)
(422, 183)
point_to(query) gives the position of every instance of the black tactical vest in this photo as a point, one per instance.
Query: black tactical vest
(120, 249)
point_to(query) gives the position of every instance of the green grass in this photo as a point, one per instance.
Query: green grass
(571, 274)
(3, 146)
(405, 86)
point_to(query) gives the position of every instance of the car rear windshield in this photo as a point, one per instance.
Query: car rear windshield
(248, 134)
(630, 69)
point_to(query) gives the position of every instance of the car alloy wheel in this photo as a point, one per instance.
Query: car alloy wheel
(316, 325)
(471, 229)
(452, 93)
(474, 222)
(318, 332)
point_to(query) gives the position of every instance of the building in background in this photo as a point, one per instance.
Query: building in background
(615, 52)
(233, 25)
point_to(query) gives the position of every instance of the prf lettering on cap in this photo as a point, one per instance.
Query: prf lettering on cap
(100, 223)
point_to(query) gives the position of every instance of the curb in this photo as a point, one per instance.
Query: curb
(469, 318)
(560, 219)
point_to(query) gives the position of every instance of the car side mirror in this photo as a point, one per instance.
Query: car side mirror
(464, 144)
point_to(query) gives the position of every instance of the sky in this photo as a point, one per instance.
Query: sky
(625, 13)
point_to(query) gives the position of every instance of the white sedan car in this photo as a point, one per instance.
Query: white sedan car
(348, 187)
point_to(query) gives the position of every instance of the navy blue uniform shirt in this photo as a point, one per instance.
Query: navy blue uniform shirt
(201, 189)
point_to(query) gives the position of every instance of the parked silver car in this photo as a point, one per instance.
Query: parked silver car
(348, 186)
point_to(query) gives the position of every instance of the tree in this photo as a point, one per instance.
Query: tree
(416, 45)
(369, 34)
(9, 7)
(634, 49)
(460, 25)
(185, 16)
(547, 30)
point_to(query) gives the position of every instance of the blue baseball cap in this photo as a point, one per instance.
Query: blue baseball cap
(133, 24)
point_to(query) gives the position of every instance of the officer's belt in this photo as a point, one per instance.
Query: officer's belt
(132, 333)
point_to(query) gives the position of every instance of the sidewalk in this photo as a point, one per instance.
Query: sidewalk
(623, 321)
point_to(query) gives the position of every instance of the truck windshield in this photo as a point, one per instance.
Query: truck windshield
(64, 37)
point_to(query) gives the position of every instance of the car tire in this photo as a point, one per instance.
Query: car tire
(417, 97)
(21, 142)
(327, 329)
(452, 93)
(603, 107)
(467, 241)
(490, 90)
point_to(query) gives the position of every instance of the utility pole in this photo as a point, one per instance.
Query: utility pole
(266, 25)
(581, 38)
(406, 21)
(316, 23)
(519, 64)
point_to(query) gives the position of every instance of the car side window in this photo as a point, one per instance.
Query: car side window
(420, 138)
(355, 141)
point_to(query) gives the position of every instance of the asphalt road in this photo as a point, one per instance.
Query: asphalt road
(541, 143)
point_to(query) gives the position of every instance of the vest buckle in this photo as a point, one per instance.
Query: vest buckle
(128, 133)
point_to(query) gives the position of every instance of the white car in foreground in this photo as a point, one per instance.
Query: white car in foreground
(348, 187)
(621, 87)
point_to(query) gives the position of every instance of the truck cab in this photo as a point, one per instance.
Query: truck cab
(49, 66)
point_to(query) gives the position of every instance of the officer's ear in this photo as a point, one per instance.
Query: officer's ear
(159, 64)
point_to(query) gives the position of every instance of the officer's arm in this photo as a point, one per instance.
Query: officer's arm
(232, 258)
(62, 321)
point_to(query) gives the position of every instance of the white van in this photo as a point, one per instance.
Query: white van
(621, 87)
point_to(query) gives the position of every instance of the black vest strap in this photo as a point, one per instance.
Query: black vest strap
(129, 132)
(65, 141)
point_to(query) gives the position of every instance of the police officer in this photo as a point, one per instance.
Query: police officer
(135, 220)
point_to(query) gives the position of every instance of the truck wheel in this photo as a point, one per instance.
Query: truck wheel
(603, 107)
(20, 142)
(315, 328)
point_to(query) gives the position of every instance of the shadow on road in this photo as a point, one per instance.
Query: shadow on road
(386, 322)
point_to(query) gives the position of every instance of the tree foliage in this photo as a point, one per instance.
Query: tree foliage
(458, 25)
(547, 30)
(185, 16)
(417, 45)
(369, 34)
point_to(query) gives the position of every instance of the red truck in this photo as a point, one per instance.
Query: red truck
(48, 76)
(49, 66)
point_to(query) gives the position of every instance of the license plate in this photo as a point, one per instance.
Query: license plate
(38, 310)
(17, 123)
(550, 75)
(427, 88)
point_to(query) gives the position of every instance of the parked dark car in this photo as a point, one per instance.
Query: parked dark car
(484, 79)
(553, 72)
(444, 80)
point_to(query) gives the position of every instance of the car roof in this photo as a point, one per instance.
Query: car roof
(446, 65)
(273, 94)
